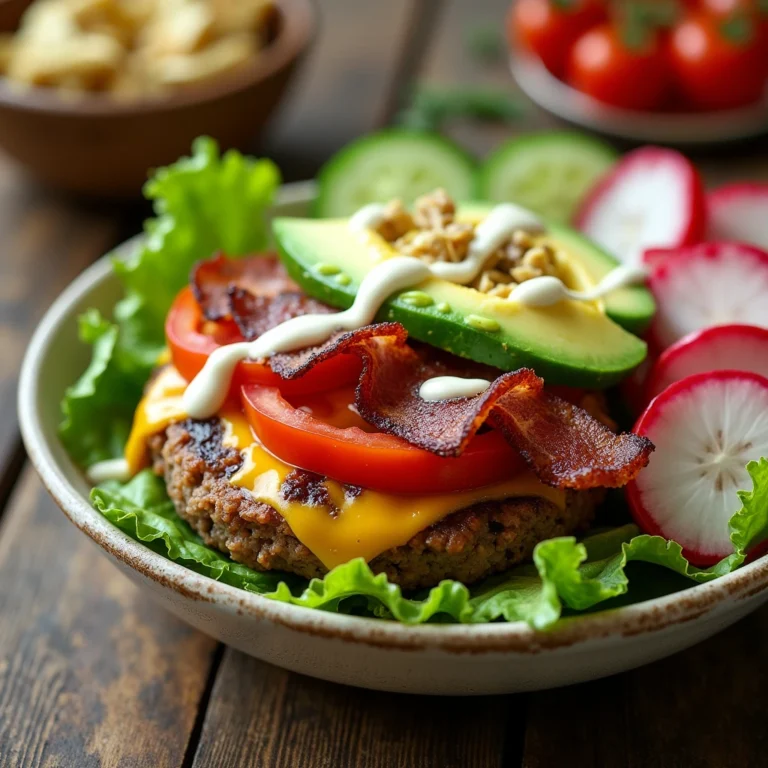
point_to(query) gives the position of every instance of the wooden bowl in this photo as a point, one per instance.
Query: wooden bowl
(97, 145)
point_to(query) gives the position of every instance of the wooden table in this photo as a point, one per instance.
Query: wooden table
(93, 674)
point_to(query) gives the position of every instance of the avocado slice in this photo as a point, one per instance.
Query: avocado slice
(632, 308)
(572, 343)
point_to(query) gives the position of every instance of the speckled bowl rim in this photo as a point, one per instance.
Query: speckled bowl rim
(42, 446)
(299, 24)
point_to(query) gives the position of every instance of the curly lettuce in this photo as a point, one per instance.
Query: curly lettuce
(566, 575)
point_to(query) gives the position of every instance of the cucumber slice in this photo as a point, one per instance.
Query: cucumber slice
(550, 173)
(392, 164)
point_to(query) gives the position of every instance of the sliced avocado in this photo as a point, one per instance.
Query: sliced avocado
(632, 308)
(572, 343)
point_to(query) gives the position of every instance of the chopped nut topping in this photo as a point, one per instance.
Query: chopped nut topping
(449, 244)
(434, 211)
(432, 234)
(395, 222)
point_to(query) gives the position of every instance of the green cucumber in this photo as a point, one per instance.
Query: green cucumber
(392, 164)
(549, 173)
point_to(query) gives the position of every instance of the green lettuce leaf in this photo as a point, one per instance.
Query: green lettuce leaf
(203, 203)
(565, 573)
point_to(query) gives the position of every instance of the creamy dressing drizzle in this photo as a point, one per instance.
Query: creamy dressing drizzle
(497, 227)
(546, 291)
(368, 217)
(450, 387)
(207, 392)
(111, 469)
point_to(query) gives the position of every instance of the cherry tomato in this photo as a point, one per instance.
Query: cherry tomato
(756, 9)
(191, 340)
(333, 441)
(548, 28)
(718, 63)
(603, 65)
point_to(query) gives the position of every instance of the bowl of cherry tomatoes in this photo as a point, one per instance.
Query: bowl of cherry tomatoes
(668, 71)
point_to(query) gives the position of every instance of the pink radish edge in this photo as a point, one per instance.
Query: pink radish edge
(695, 228)
(753, 332)
(640, 515)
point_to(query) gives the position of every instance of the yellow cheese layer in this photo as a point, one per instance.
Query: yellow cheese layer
(364, 526)
(160, 406)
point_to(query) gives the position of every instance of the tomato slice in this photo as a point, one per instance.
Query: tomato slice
(322, 442)
(191, 339)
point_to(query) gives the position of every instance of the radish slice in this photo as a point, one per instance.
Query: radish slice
(706, 429)
(653, 198)
(738, 212)
(725, 347)
(707, 284)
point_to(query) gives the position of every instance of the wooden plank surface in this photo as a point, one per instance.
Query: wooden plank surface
(92, 673)
(344, 84)
(283, 719)
(702, 707)
(46, 241)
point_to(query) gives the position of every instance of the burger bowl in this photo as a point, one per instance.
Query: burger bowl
(369, 653)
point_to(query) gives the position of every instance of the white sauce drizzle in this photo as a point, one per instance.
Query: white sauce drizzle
(111, 469)
(450, 387)
(207, 392)
(368, 217)
(490, 235)
(547, 290)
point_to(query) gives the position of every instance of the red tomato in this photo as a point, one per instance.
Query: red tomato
(340, 445)
(191, 340)
(718, 63)
(549, 28)
(756, 9)
(603, 66)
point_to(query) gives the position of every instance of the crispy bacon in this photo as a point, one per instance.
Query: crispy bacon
(563, 444)
(213, 278)
(255, 315)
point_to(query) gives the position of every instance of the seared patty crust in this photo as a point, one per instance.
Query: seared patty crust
(467, 545)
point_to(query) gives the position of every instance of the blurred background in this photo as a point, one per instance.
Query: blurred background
(95, 92)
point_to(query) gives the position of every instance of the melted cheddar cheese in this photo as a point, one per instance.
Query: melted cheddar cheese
(365, 524)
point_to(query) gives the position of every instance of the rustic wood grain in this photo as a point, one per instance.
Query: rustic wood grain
(343, 87)
(47, 239)
(264, 717)
(91, 672)
(700, 708)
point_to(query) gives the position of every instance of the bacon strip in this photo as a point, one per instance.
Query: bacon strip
(212, 279)
(563, 444)
(255, 315)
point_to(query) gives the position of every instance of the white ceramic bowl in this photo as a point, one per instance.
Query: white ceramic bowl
(683, 129)
(438, 659)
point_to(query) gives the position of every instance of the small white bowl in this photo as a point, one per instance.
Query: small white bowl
(683, 129)
(435, 659)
